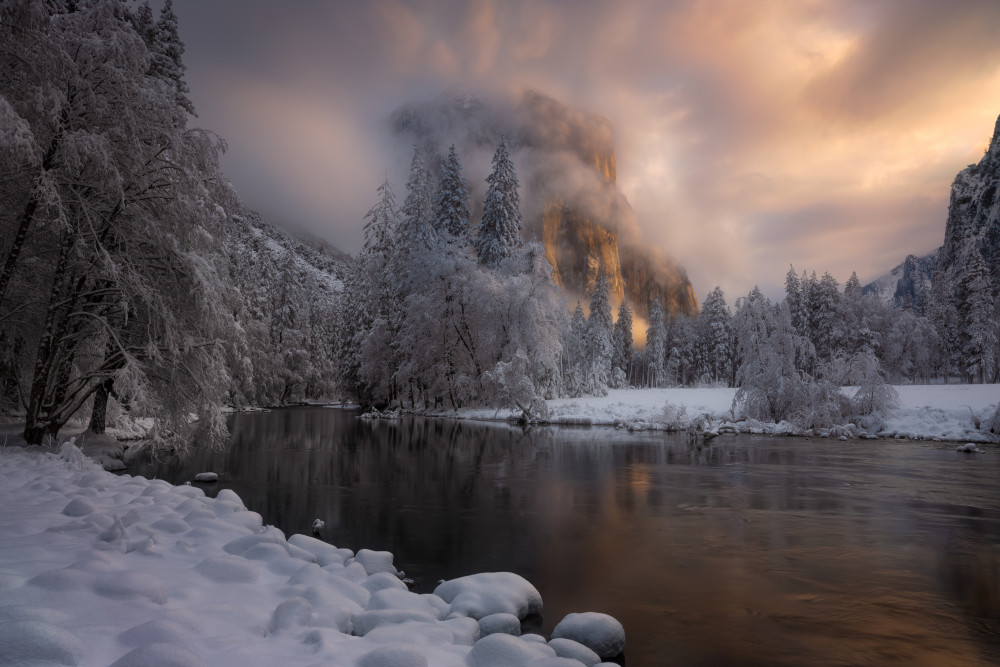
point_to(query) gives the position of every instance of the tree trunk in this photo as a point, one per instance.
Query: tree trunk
(99, 413)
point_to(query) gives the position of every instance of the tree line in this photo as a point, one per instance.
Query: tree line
(133, 281)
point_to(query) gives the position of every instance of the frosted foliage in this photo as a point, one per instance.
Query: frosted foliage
(290, 307)
(451, 210)
(129, 210)
(416, 227)
(622, 352)
(381, 222)
(715, 336)
(599, 338)
(979, 333)
(499, 232)
(656, 341)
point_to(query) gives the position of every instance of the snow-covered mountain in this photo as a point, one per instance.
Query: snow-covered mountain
(974, 213)
(908, 283)
(973, 224)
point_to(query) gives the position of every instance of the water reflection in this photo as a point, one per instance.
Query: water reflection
(745, 551)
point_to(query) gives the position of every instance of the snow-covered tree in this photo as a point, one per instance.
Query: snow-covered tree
(715, 323)
(621, 360)
(575, 359)
(451, 211)
(166, 51)
(416, 226)
(499, 232)
(794, 299)
(599, 336)
(979, 329)
(656, 341)
(381, 224)
(129, 209)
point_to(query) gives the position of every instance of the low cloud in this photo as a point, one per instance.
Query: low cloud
(748, 135)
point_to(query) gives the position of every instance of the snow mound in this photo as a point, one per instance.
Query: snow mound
(159, 655)
(501, 650)
(207, 477)
(601, 633)
(394, 656)
(507, 624)
(34, 642)
(228, 569)
(375, 562)
(567, 648)
(479, 595)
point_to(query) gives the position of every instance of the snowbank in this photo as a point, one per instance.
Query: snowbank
(97, 569)
(931, 412)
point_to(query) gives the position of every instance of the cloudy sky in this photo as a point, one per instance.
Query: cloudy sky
(749, 135)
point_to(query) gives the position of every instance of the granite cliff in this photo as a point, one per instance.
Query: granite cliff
(973, 225)
(974, 213)
(570, 197)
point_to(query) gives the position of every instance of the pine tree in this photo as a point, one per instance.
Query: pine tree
(656, 338)
(943, 314)
(793, 297)
(166, 52)
(978, 335)
(416, 229)
(500, 228)
(451, 217)
(381, 223)
(599, 331)
(852, 288)
(716, 326)
(622, 341)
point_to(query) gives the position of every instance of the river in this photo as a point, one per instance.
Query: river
(748, 550)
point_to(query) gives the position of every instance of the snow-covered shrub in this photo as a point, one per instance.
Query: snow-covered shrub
(509, 385)
(674, 418)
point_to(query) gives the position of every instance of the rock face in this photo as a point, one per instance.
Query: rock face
(974, 212)
(567, 168)
(973, 224)
(909, 284)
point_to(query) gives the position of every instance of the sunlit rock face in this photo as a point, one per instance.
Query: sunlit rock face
(974, 212)
(566, 164)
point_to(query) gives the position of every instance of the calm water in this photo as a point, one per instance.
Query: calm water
(750, 551)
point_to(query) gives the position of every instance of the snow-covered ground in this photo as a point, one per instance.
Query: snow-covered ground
(942, 412)
(99, 569)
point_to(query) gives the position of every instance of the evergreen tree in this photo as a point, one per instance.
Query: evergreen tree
(451, 217)
(416, 226)
(599, 331)
(166, 51)
(716, 327)
(622, 341)
(943, 314)
(656, 339)
(500, 228)
(978, 335)
(381, 223)
(852, 288)
(793, 297)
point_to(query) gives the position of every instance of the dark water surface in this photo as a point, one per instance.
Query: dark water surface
(748, 551)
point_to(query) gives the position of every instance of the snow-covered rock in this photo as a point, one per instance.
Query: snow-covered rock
(506, 623)
(502, 650)
(479, 595)
(601, 633)
(207, 477)
(567, 648)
